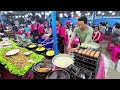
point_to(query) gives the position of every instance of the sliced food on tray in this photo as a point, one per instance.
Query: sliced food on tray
(92, 53)
(80, 51)
(96, 55)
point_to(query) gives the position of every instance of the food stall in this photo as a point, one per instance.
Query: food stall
(17, 60)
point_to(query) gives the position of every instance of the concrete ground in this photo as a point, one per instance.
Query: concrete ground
(112, 73)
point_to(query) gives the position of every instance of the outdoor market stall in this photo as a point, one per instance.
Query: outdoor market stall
(15, 61)
(41, 61)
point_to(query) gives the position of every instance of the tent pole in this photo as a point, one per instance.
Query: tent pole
(54, 32)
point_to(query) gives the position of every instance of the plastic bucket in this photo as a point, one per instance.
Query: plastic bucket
(45, 42)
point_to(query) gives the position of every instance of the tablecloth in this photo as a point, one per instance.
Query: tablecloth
(101, 69)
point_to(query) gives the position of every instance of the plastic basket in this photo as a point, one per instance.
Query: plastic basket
(45, 42)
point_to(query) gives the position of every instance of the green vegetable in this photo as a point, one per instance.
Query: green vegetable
(13, 69)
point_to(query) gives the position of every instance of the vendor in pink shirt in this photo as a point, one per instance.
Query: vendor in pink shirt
(61, 34)
(37, 31)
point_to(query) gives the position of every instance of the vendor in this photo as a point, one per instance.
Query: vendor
(61, 35)
(37, 31)
(83, 31)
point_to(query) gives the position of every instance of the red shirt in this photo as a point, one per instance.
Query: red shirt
(96, 36)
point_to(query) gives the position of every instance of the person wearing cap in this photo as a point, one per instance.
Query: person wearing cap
(83, 31)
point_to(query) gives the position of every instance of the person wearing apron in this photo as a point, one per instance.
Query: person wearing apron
(37, 31)
(61, 35)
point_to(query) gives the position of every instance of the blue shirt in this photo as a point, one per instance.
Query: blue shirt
(27, 29)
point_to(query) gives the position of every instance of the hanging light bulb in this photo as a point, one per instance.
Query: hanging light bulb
(61, 15)
(110, 11)
(26, 16)
(47, 13)
(36, 13)
(71, 13)
(42, 13)
(16, 16)
(103, 13)
(45, 17)
(39, 15)
(22, 16)
(113, 13)
(88, 13)
(77, 12)
(65, 15)
(30, 14)
(5, 12)
(99, 12)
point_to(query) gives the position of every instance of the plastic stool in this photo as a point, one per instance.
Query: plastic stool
(109, 46)
(115, 51)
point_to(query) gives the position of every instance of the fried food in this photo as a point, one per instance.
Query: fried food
(92, 53)
(97, 54)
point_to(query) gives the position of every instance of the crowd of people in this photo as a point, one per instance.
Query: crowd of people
(65, 33)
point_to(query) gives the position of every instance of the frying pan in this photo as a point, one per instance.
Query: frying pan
(61, 55)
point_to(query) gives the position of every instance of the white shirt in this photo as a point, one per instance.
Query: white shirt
(69, 32)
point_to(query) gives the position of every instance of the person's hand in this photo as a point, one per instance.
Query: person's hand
(47, 37)
(36, 37)
(69, 49)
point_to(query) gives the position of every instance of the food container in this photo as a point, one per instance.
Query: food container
(49, 56)
(42, 64)
(32, 47)
(40, 52)
(58, 74)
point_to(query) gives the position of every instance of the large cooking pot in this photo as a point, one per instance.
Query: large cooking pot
(58, 74)
(43, 64)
